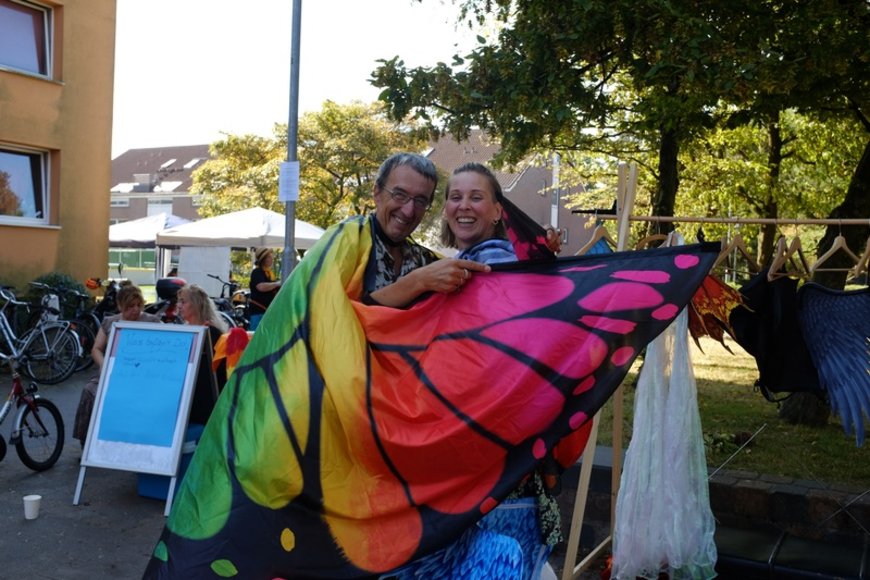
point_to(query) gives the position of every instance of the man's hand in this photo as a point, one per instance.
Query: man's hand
(447, 275)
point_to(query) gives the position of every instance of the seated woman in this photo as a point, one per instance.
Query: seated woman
(130, 304)
(196, 308)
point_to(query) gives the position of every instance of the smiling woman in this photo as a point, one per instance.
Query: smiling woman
(472, 216)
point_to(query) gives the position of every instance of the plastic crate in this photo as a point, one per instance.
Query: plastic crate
(157, 486)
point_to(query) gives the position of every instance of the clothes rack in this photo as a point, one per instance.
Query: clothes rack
(626, 192)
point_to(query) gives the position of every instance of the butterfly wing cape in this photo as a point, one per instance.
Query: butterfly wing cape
(352, 439)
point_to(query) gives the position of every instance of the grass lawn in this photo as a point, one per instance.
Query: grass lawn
(731, 408)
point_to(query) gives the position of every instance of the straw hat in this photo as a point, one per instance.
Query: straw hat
(260, 254)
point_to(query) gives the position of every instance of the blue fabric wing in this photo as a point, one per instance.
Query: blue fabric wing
(836, 327)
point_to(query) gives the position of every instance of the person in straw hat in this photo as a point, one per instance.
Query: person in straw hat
(264, 286)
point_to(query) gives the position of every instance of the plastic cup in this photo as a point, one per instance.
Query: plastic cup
(31, 506)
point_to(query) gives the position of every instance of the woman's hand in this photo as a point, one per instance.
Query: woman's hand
(554, 239)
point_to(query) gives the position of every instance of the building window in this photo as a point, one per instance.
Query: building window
(158, 206)
(23, 179)
(120, 202)
(25, 38)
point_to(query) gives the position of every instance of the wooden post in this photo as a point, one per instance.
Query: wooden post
(626, 191)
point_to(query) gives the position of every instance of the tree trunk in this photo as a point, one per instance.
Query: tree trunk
(669, 179)
(771, 208)
(806, 408)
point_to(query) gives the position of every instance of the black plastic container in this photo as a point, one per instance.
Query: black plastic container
(167, 288)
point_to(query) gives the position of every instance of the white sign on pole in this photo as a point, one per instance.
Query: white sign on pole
(288, 181)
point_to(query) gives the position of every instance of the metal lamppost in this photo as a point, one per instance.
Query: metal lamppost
(288, 183)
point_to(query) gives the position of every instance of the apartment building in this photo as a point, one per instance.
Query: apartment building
(56, 86)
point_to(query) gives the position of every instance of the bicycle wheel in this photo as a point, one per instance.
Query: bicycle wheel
(228, 319)
(52, 354)
(86, 341)
(39, 440)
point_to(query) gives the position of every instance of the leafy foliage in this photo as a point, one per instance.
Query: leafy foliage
(638, 81)
(339, 149)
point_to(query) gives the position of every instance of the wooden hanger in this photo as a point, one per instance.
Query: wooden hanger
(838, 245)
(739, 245)
(788, 260)
(863, 264)
(650, 241)
(600, 233)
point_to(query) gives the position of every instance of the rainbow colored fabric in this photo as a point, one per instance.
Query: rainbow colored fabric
(352, 439)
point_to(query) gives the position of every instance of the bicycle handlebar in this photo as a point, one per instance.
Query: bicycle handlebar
(222, 281)
(8, 296)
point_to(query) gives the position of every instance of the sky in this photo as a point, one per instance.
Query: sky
(188, 71)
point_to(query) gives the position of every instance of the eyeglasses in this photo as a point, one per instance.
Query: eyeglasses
(420, 203)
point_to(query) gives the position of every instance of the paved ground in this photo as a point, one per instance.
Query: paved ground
(110, 535)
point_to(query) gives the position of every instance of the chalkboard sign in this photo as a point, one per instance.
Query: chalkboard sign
(143, 401)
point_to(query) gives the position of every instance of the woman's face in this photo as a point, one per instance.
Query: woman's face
(132, 310)
(471, 210)
(267, 260)
(185, 309)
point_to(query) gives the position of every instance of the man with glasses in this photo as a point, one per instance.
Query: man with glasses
(400, 270)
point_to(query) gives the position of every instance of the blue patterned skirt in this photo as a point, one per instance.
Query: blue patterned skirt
(505, 544)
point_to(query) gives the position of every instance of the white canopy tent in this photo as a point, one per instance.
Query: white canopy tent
(241, 229)
(142, 232)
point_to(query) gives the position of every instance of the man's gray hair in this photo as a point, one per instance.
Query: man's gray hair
(418, 163)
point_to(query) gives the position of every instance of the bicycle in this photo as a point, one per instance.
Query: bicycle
(50, 349)
(82, 320)
(232, 304)
(38, 431)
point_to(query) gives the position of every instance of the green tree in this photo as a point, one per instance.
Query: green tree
(569, 76)
(242, 173)
(641, 76)
(728, 171)
(339, 149)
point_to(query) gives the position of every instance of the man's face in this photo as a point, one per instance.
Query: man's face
(399, 220)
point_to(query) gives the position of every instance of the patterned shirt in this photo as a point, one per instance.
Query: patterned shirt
(381, 269)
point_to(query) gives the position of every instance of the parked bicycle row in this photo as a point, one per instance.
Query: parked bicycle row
(51, 335)
(57, 326)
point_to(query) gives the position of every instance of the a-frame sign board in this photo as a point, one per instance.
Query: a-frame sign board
(144, 397)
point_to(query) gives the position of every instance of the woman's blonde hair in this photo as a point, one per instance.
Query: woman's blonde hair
(202, 306)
